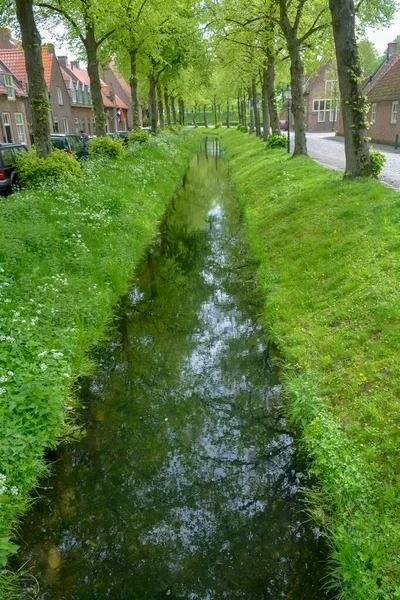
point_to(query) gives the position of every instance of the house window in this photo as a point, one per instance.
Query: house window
(55, 125)
(60, 96)
(83, 124)
(76, 125)
(73, 94)
(65, 125)
(7, 128)
(373, 113)
(89, 127)
(8, 82)
(393, 114)
(19, 121)
(94, 125)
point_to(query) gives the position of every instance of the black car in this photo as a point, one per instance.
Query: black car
(8, 170)
(120, 135)
(70, 143)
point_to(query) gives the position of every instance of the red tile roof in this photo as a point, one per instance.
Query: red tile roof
(120, 103)
(385, 84)
(106, 101)
(15, 61)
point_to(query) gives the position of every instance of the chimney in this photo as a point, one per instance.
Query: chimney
(5, 38)
(74, 64)
(50, 48)
(63, 61)
(391, 49)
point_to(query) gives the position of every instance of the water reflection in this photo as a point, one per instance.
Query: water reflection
(186, 484)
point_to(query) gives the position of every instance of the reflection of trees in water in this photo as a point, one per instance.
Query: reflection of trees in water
(186, 481)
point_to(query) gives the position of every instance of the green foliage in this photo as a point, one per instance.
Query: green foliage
(34, 170)
(6, 549)
(217, 125)
(101, 147)
(243, 128)
(327, 254)
(67, 252)
(276, 141)
(377, 162)
(140, 137)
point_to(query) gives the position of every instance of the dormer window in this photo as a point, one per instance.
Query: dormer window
(8, 82)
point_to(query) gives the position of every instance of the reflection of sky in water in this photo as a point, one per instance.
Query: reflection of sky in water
(186, 484)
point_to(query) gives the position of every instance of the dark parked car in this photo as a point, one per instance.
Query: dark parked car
(283, 125)
(71, 143)
(8, 170)
(120, 135)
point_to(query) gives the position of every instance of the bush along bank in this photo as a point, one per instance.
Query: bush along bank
(67, 252)
(328, 254)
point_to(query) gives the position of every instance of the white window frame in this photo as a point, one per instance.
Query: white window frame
(65, 124)
(55, 122)
(7, 123)
(73, 94)
(77, 126)
(394, 111)
(20, 125)
(373, 113)
(9, 86)
(60, 97)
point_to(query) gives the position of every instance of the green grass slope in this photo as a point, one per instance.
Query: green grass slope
(66, 254)
(328, 254)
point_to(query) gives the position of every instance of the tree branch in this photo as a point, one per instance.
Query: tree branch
(66, 16)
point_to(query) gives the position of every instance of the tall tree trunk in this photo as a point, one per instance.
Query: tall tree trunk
(255, 105)
(133, 81)
(251, 110)
(239, 111)
(271, 95)
(228, 115)
(181, 109)
(38, 93)
(152, 102)
(167, 106)
(215, 110)
(160, 106)
(296, 73)
(244, 111)
(352, 100)
(265, 108)
(194, 114)
(205, 116)
(95, 85)
(173, 110)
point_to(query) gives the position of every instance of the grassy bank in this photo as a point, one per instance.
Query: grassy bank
(328, 252)
(66, 254)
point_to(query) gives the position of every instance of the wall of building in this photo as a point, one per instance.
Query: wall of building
(60, 111)
(11, 107)
(383, 130)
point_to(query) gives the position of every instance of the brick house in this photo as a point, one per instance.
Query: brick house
(383, 94)
(321, 95)
(13, 108)
(112, 77)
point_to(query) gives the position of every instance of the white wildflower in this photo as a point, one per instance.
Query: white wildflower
(2, 390)
(42, 353)
(10, 373)
(3, 378)
(43, 366)
(14, 490)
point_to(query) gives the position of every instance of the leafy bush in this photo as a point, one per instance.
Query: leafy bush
(138, 136)
(218, 125)
(377, 162)
(244, 129)
(106, 146)
(276, 141)
(239, 127)
(34, 170)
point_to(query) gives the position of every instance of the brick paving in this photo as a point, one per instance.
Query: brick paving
(328, 150)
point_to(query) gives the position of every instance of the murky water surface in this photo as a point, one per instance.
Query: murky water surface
(186, 485)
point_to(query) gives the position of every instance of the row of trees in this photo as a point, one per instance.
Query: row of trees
(225, 50)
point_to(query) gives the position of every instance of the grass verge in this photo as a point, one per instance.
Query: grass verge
(328, 254)
(67, 253)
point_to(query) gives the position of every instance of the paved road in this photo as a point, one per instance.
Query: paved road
(328, 150)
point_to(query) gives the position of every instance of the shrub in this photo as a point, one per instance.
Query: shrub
(276, 141)
(139, 137)
(244, 129)
(34, 170)
(106, 146)
(377, 162)
(239, 127)
(218, 125)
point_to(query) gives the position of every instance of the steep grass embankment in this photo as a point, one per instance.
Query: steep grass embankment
(66, 254)
(328, 252)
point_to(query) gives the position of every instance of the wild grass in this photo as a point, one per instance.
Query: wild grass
(328, 254)
(67, 253)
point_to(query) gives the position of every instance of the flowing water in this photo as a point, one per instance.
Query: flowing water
(187, 483)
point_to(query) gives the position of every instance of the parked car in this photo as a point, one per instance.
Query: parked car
(283, 125)
(71, 143)
(8, 169)
(120, 135)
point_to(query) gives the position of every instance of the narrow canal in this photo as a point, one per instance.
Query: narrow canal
(187, 483)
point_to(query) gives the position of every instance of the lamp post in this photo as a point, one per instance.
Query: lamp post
(288, 98)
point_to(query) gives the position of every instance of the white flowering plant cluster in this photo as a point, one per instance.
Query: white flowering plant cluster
(67, 252)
